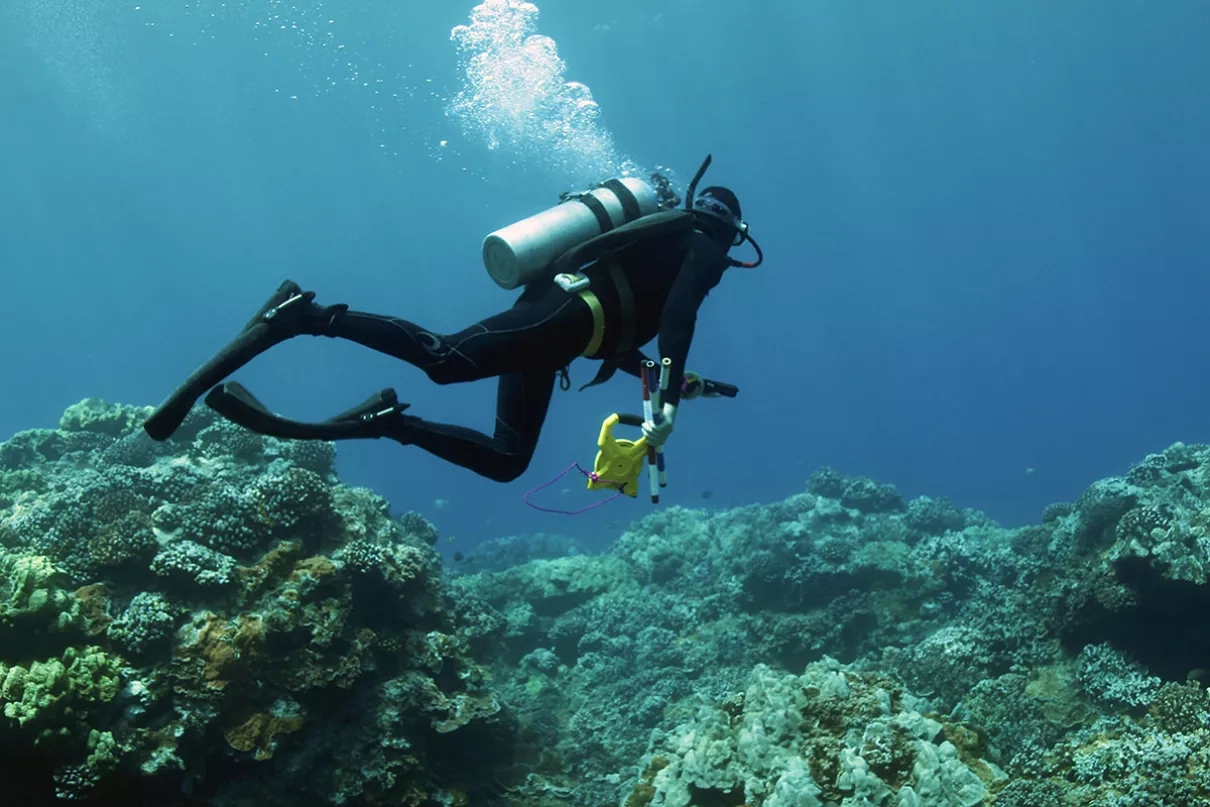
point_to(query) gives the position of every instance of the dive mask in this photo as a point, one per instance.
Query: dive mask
(713, 207)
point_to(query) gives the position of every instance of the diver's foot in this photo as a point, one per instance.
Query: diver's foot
(290, 311)
(382, 415)
(382, 404)
(403, 429)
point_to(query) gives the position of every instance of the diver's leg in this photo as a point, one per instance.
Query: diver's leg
(522, 400)
(546, 329)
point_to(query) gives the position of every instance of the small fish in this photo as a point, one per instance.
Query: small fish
(458, 557)
(1029, 471)
(707, 494)
(441, 504)
(450, 539)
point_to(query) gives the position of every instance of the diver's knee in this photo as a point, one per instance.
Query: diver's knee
(444, 374)
(511, 471)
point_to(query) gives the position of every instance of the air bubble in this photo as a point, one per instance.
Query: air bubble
(514, 95)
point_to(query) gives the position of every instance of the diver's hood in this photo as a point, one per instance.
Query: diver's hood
(718, 211)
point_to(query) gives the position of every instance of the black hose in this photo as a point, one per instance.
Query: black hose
(692, 192)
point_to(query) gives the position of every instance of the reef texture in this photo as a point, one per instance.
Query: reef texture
(848, 648)
(217, 620)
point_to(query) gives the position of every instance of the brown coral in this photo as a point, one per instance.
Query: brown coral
(277, 563)
(92, 602)
(259, 731)
(225, 649)
(313, 571)
(644, 792)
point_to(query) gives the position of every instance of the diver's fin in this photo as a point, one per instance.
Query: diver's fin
(370, 419)
(261, 333)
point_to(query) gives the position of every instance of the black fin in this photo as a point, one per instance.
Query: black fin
(367, 420)
(256, 338)
(169, 415)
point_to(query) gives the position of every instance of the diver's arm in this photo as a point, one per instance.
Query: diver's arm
(699, 273)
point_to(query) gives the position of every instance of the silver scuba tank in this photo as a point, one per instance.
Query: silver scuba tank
(523, 252)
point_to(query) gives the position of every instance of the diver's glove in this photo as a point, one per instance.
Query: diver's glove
(658, 433)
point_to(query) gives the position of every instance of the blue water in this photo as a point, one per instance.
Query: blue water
(985, 228)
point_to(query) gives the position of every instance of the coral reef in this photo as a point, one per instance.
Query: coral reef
(828, 736)
(845, 648)
(189, 621)
(217, 620)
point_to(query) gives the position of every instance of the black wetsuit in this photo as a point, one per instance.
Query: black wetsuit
(529, 344)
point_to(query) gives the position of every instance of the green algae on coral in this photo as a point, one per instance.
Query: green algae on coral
(47, 690)
(95, 415)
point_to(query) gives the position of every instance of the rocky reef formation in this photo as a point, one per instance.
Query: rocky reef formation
(218, 620)
(848, 648)
(184, 623)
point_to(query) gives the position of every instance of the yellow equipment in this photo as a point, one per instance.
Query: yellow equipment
(619, 461)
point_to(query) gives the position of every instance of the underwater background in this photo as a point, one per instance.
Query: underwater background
(984, 223)
(949, 547)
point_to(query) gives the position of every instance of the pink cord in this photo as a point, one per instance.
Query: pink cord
(589, 474)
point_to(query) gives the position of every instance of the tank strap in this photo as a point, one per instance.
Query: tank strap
(630, 204)
(631, 209)
(594, 204)
(626, 303)
(654, 225)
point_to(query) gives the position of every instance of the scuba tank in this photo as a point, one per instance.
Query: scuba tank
(523, 252)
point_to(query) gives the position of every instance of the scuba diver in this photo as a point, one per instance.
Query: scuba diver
(604, 272)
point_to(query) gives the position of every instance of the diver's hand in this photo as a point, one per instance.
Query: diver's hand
(692, 387)
(658, 433)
